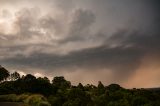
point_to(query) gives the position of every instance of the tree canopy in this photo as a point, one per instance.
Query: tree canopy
(41, 92)
(4, 74)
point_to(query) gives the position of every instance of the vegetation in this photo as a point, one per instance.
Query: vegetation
(4, 74)
(40, 92)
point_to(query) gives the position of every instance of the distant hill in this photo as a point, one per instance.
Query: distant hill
(153, 89)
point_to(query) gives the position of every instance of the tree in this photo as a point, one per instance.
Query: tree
(80, 86)
(29, 78)
(4, 74)
(100, 85)
(61, 82)
(100, 89)
(139, 101)
(46, 79)
(114, 87)
(15, 76)
(77, 97)
(43, 86)
(29, 83)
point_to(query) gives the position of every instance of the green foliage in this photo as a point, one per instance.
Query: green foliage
(138, 101)
(40, 92)
(32, 100)
(10, 98)
(54, 101)
(121, 102)
(44, 103)
(77, 97)
(22, 97)
(60, 82)
(113, 87)
(80, 86)
(37, 100)
(100, 85)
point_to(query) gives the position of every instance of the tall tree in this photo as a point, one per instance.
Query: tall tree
(4, 74)
(100, 85)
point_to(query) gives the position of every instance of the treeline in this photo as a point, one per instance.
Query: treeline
(59, 92)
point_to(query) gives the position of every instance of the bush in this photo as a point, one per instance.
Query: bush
(139, 101)
(37, 100)
(44, 103)
(32, 100)
(22, 97)
(8, 98)
(55, 101)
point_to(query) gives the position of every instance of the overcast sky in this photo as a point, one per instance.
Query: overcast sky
(113, 41)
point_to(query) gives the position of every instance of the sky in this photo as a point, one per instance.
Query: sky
(86, 41)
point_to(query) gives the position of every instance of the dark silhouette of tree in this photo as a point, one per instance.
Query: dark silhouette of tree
(80, 86)
(28, 83)
(43, 86)
(4, 74)
(60, 82)
(15, 76)
(29, 78)
(77, 97)
(114, 87)
(100, 85)
(100, 89)
(46, 79)
(61, 93)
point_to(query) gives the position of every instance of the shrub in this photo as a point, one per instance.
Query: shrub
(22, 97)
(36, 100)
(55, 101)
(44, 103)
(8, 98)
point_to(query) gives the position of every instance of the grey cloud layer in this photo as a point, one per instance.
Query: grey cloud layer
(34, 29)
(122, 60)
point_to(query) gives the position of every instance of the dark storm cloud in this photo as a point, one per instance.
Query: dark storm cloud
(121, 60)
(145, 41)
(79, 27)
